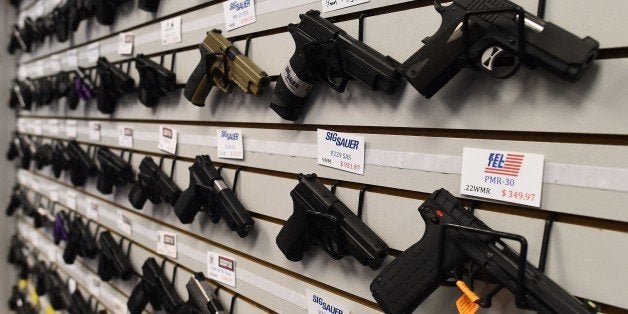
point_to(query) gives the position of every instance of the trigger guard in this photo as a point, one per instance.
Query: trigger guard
(486, 62)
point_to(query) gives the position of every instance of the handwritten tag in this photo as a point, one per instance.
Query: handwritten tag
(167, 243)
(94, 131)
(125, 46)
(171, 31)
(124, 223)
(238, 13)
(168, 139)
(229, 143)
(70, 59)
(91, 210)
(71, 129)
(93, 52)
(93, 285)
(332, 5)
(125, 136)
(344, 151)
(221, 268)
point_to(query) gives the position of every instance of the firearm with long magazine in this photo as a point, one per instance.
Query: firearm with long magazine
(224, 66)
(81, 165)
(113, 84)
(202, 297)
(496, 37)
(155, 81)
(113, 263)
(114, 171)
(327, 54)
(209, 193)
(154, 288)
(421, 269)
(321, 219)
(153, 184)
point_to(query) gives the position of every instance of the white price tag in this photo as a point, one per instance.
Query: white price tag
(344, 151)
(125, 136)
(167, 243)
(238, 13)
(53, 127)
(332, 5)
(93, 285)
(54, 64)
(168, 139)
(39, 68)
(94, 131)
(319, 304)
(91, 210)
(93, 52)
(125, 45)
(502, 175)
(71, 129)
(71, 285)
(70, 199)
(124, 223)
(171, 31)
(70, 59)
(37, 127)
(221, 268)
(229, 143)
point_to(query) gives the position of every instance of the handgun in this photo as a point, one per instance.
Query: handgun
(19, 39)
(202, 297)
(106, 10)
(325, 53)
(19, 200)
(43, 155)
(60, 159)
(58, 294)
(79, 304)
(148, 5)
(411, 277)
(40, 277)
(42, 217)
(153, 184)
(23, 147)
(81, 165)
(321, 219)
(113, 263)
(20, 303)
(113, 84)
(155, 81)
(17, 256)
(114, 171)
(80, 242)
(82, 88)
(59, 231)
(209, 193)
(154, 288)
(496, 37)
(21, 96)
(224, 66)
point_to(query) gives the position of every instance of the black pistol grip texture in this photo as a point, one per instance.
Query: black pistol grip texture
(198, 85)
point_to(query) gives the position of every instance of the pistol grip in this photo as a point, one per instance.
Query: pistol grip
(292, 238)
(105, 103)
(138, 299)
(199, 84)
(185, 208)
(105, 268)
(137, 197)
(103, 185)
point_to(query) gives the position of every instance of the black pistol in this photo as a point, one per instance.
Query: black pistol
(113, 84)
(155, 80)
(153, 184)
(106, 10)
(114, 171)
(202, 298)
(209, 193)
(423, 267)
(154, 288)
(325, 53)
(81, 165)
(113, 263)
(321, 219)
(496, 37)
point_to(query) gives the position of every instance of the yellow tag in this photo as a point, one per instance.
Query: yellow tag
(466, 303)
(34, 298)
(49, 309)
(22, 284)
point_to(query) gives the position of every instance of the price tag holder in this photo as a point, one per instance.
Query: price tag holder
(94, 131)
(229, 143)
(320, 304)
(70, 199)
(91, 210)
(53, 127)
(238, 13)
(125, 45)
(125, 136)
(93, 285)
(70, 59)
(344, 151)
(167, 243)
(124, 223)
(171, 31)
(512, 177)
(168, 139)
(93, 52)
(333, 5)
(221, 268)
(71, 129)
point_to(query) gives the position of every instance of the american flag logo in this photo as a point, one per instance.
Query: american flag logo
(509, 166)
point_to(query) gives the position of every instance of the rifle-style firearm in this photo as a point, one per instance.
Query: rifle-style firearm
(153, 184)
(202, 297)
(423, 267)
(496, 37)
(81, 165)
(224, 66)
(154, 288)
(114, 171)
(155, 80)
(113, 263)
(113, 84)
(321, 219)
(209, 193)
(327, 54)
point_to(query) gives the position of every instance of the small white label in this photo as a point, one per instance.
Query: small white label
(91, 210)
(93, 52)
(221, 268)
(238, 13)
(322, 304)
(71, 285)
(125, 46)
(332, 5)
(229, 143)
(171, 31)
(54, 64)
(70, 59)
(502, 175)
(37, 127)
(39, 68)
(297, 86)
(71, 129)
(168, 139)
(344, 151)
(167, 243)
(93, 285)
(125, 136)
(124, 223)
(70, 199)
(53, 127)
(94, 131)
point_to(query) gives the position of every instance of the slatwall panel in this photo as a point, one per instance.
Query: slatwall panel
(414, 146)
